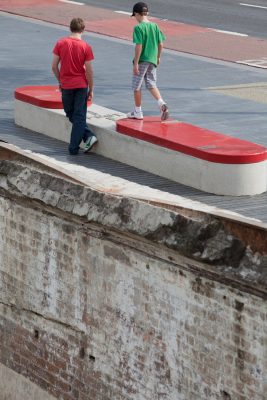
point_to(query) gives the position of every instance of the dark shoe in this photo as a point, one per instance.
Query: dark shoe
(164, 112)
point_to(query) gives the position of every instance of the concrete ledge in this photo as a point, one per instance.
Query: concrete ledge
(217, 178)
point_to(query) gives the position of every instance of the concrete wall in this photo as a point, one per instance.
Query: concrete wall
(104, 297)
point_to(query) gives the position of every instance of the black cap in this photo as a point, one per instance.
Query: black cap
(140, 8)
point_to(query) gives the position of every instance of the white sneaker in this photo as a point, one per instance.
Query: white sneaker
(135, 114)
(164, 112)
(90, 142)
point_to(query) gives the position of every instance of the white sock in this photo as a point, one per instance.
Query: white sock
(138, 109)
(161, 102)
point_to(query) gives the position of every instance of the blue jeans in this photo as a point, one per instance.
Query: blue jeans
(75, 106)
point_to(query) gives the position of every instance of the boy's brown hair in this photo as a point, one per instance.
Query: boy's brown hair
(140, 8)
(77, 25)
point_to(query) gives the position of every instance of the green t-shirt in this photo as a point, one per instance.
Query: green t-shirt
(149, 36)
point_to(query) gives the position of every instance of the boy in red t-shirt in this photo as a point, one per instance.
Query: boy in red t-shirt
(73, 69)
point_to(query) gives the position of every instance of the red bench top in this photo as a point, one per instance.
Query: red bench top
(192, 140)
(41, 96)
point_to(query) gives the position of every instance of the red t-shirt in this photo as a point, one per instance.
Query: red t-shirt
(73, 53)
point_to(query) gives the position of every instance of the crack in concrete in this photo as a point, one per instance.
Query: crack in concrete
(53, 320)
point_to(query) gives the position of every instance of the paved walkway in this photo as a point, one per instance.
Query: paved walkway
(26, 60)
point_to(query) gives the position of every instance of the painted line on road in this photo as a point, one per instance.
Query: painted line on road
(252, 5)
(230, 33)
(151, 17)
(259, 63)
(123, 12)
(72, 2)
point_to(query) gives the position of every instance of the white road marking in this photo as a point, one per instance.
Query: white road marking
(123, 12)
(72, 2)
(230, 33)
(260, 63)
(252, 5)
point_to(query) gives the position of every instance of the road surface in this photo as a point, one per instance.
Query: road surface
(247, 17)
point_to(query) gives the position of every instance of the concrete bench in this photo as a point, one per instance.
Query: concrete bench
(202, 158)
(184, 153)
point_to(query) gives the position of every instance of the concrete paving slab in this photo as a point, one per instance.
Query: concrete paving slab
(251, 91)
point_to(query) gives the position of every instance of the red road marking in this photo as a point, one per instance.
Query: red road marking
(15, 4)
(180, 37)
(123, 27)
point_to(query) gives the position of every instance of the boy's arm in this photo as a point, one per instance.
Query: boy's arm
(160, 47)
(137, 54)
(55, 69)
(90, 79)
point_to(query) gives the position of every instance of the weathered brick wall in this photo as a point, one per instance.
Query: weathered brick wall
(92, 308)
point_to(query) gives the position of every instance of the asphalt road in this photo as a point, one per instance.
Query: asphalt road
(229, 15)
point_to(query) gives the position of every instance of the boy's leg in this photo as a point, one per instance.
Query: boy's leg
(137, 113)
(155, 93)
(136, 86)
(137, 98)
(78, 119)
(161, 103)
(87, 132)
(68, 102)
(151, 85)
(88, 136)
(75, 107)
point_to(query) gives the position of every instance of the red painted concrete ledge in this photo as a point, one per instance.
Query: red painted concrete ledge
(41, 96)
(192, 140)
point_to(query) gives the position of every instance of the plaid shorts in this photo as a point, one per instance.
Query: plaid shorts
(147, 73)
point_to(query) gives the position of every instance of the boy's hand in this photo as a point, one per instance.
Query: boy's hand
(158, 60)
(136, 69)
(90, 95)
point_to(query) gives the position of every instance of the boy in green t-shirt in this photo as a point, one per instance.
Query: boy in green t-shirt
(148, 47)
